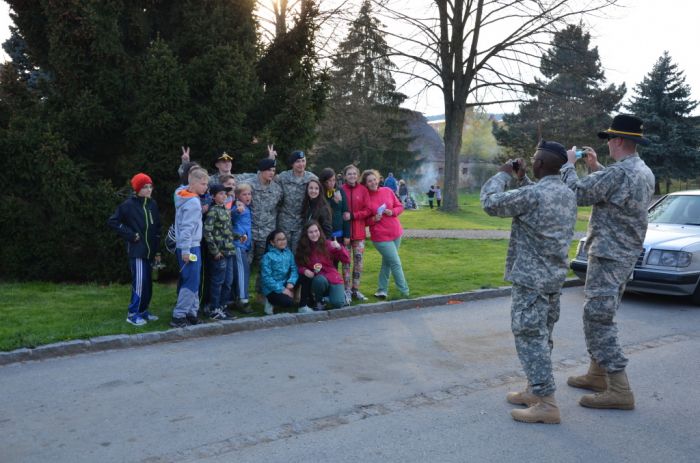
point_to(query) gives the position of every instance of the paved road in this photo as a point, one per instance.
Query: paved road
(424, 385)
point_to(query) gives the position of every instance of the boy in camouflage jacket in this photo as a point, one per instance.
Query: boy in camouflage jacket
(219, 236)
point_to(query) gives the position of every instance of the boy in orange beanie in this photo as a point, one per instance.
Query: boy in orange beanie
(137, 221)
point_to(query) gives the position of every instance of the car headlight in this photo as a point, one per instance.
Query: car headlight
(669, 258)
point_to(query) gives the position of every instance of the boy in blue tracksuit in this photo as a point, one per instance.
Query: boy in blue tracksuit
(137, 221)
(188, 236)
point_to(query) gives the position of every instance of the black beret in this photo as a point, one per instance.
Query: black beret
(295, 156)
(553, 147)
(266, 164)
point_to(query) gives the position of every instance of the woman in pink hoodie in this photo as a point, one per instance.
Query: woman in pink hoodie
(316, 258)
(358, 205)
(385, 230)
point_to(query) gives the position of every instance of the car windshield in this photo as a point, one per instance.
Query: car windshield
(676, 209)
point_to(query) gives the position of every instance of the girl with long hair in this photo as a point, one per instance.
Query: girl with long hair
(315, 260)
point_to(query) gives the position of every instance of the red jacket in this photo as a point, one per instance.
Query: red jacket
(358, 201)
(389, 227)
(326, 264)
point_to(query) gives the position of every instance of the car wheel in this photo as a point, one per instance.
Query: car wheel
(696, 295)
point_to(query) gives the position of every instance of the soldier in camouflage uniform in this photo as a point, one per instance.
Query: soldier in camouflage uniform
(544, 215)
(293, 183)
(267, 196)
(620, 195)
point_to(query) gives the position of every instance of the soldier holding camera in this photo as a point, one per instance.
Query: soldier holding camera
(544, 215)
(620, 195)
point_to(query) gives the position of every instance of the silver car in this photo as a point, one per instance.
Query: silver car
(670, 260)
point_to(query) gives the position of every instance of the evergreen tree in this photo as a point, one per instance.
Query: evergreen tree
(363, 123)
(570, 106)
(663, 101)
(294, 88)
(163, 123)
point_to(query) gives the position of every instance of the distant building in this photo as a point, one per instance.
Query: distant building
(472, 171)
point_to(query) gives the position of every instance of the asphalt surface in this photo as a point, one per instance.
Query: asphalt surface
(423, 385)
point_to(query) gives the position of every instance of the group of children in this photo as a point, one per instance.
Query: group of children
(214, 228)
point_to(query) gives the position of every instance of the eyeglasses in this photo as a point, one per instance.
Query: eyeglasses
(284, 238)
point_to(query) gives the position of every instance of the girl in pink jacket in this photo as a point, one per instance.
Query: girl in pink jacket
(358, 205)
(385, 230)
(316, 259)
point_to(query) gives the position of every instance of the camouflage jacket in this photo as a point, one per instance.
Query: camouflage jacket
(218, 233)
(264, 207)
(544, 216)
(620, 195)
(294, 189)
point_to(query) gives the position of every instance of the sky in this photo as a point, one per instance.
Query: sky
(630, 39)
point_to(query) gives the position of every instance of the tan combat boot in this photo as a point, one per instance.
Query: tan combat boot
(522, 398)
(595, 379)
(618, 395)
(544, 411)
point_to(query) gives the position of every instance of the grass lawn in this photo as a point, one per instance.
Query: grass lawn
(42, 313)
(470, 217)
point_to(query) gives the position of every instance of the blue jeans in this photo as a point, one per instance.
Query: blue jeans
(391, 263)
(322, 288)
(188, 286)
(220, 281)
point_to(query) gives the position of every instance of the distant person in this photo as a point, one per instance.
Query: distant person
(188, 235)
(137, 222)
(293, 183)
(315, 259)
(278, 273)
(358, 205)
(438, 195)
(431, 195)
(391, 183)
(385, 230)
(544, 216)
(403, 191)
(620, 195)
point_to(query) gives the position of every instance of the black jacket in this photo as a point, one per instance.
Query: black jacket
(138, 215)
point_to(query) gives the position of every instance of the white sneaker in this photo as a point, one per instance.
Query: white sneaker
(356, 294)
(269, 309)
(381, 294)
(305, 309)
(348, 297)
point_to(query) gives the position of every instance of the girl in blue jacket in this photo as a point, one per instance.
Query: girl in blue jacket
(278, 273)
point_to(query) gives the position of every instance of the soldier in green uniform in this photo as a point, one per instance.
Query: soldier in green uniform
(620, 195)
(544, 215)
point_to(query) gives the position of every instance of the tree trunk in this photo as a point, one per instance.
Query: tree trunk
(454, 121)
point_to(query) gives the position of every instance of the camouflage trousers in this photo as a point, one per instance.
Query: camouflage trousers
(533, 315)
(293, 232)
(605, 283)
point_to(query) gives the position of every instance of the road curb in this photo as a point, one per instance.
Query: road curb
(216, 328)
